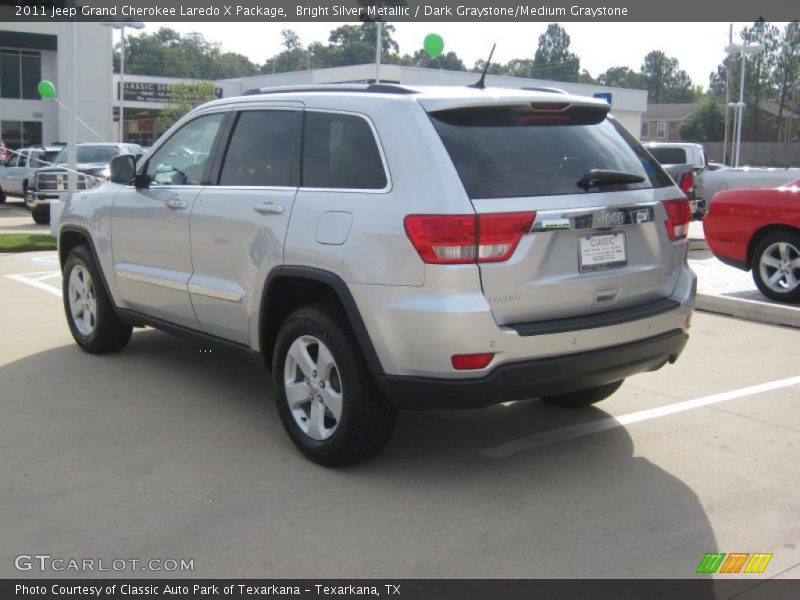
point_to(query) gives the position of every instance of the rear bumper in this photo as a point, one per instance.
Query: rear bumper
(536, 378)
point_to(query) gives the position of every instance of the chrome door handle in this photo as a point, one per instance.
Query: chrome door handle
(177, 204)
(268, 208)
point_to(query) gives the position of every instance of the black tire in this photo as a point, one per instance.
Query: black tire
(769, 248)
(584, 397)
(366, 419)
(108, 334)
(2, 196)
(41, 216)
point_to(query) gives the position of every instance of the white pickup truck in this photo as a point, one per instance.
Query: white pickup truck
(686, 163)
(740, 178)
(18, 172)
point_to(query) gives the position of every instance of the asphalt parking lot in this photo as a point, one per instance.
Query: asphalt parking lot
(171, 449)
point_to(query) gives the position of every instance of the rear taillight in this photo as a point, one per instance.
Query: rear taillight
(459, 239)
(469, 362)
(687, 183)
(679, 214)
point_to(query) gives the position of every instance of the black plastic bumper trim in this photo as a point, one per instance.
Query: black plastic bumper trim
(605, 319)
(536, 378)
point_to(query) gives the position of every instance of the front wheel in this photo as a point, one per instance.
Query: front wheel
(776, 266)
(584, 397)
(41, 216)
(90, 314)
(324, 392)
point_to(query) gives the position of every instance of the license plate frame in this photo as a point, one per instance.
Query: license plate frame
(601, 255)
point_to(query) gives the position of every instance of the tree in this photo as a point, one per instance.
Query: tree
(705, 125)
(664, 80)
(787, 72)
(622, 77)
(449, 61)
(185, 96)
(759, 77)
(291, 41)
(294, 57)
(169, 54)
(553, 60)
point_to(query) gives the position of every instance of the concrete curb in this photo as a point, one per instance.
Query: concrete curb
(697, 244)
(752, 310)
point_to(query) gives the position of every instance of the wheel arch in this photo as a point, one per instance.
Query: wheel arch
(290, 287)
(762, 233)
(70, 236)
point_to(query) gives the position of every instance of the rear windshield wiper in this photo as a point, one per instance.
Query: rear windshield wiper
(600, 177)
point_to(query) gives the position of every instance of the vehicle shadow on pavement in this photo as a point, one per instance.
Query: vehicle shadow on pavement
(169, 449)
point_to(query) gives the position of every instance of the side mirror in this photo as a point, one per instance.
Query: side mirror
(141, 181)
(123, 169)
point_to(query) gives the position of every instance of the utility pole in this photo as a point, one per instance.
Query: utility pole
(727, 97)
(378, 40)
(121, 27)
(72, 104)
(743, 50)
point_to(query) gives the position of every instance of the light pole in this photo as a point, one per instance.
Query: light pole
(121, 26)
(743, 50)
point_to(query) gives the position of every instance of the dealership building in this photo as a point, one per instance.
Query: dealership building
(31, 52)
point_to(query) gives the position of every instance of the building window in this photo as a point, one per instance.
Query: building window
(19, 134)
(661, 129)
(20, 74)
(645, 132)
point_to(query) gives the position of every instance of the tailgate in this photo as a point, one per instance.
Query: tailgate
(598, 240)
(584, 259)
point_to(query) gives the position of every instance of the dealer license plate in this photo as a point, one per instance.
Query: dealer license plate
(600, 251)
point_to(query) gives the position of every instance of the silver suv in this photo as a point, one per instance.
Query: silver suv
(385, 248)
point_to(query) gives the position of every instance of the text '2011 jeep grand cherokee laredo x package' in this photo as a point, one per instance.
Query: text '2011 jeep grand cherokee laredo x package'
(384, 247)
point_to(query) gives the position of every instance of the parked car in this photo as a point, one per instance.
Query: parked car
(686, 163)
(4, 153)
(93, 162)
(20, 169)
(742, 178)
(758, 230)
(384, 247)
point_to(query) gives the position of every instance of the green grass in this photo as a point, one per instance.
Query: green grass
(26, 242)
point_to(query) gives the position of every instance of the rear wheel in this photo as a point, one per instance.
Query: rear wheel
(584, 397)
(90, 315)
(41, 216)
(324, 392)
(776, 266)
(2, 196)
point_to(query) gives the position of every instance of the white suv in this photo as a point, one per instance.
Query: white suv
(384, 247)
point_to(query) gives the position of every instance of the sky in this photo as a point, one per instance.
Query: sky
(699, 47)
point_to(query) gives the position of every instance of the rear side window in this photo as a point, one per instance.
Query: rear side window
(514, 151)
(669, 156)
(263, 150)
(340, 151)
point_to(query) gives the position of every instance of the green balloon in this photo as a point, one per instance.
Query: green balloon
(434, 44)
(46, 89)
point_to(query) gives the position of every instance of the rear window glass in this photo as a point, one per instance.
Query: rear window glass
(339, 151)
(505, 152)
(263, 150)
(669, 156)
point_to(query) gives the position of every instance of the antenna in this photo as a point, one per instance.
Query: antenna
(480, 84)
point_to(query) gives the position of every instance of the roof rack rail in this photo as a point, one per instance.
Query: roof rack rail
(373, 88)
(554, 90)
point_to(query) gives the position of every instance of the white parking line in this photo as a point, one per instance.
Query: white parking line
(37, 280)
(575, 431)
